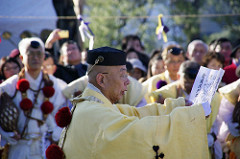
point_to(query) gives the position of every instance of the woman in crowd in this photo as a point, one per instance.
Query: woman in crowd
(9, 68)
(139, 71)
(173, 56)
(213, 60)
(156, 64)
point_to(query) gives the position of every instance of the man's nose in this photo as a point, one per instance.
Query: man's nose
(127, 82)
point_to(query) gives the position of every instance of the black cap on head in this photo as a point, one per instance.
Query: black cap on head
(175, 51)
(106, 56)
(35, 44)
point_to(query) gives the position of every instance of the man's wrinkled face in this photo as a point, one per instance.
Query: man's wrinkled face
(33, 58)
(116, 83)
(197, 52)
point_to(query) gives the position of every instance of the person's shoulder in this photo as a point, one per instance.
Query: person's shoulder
(230, 67)
(10, 81)
(67, 74)
(172, 85)
(168, 91)
(64, 68)
(80, 82)
(157, 77)
(75, 86)
(83, 66)
(161, 75)
(9, 86)
(230, 87)
(89, 103)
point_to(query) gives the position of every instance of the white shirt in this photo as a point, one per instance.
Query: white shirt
(33, 130)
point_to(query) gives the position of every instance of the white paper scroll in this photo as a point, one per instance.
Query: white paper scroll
(205, 85)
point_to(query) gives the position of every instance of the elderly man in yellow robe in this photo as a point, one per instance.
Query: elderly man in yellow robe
(102, 129)
(173, 56)
(182, 88)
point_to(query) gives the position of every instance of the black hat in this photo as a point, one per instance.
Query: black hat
(175, 51)
(233, 54)
(106, 56)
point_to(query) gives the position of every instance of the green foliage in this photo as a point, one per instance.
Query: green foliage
(111, 20)
(108, 18)
(190, 25)
(227, 25)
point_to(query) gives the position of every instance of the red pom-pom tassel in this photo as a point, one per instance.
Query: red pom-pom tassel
(26, 104)
(48, 91)
(22, 85)
(54, 152)
(63, 117)
(47, 107)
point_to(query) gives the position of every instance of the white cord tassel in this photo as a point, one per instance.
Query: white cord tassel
(86, 31)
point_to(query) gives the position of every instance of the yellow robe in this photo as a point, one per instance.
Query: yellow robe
(231, 91)
(150, 84)
(133, 96)
(101, 130)
(170, 91)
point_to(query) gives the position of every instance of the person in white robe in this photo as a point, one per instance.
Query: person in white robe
(28, 140)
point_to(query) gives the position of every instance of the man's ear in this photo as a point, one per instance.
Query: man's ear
(100, 80)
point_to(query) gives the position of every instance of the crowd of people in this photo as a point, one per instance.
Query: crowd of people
(127, 100)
